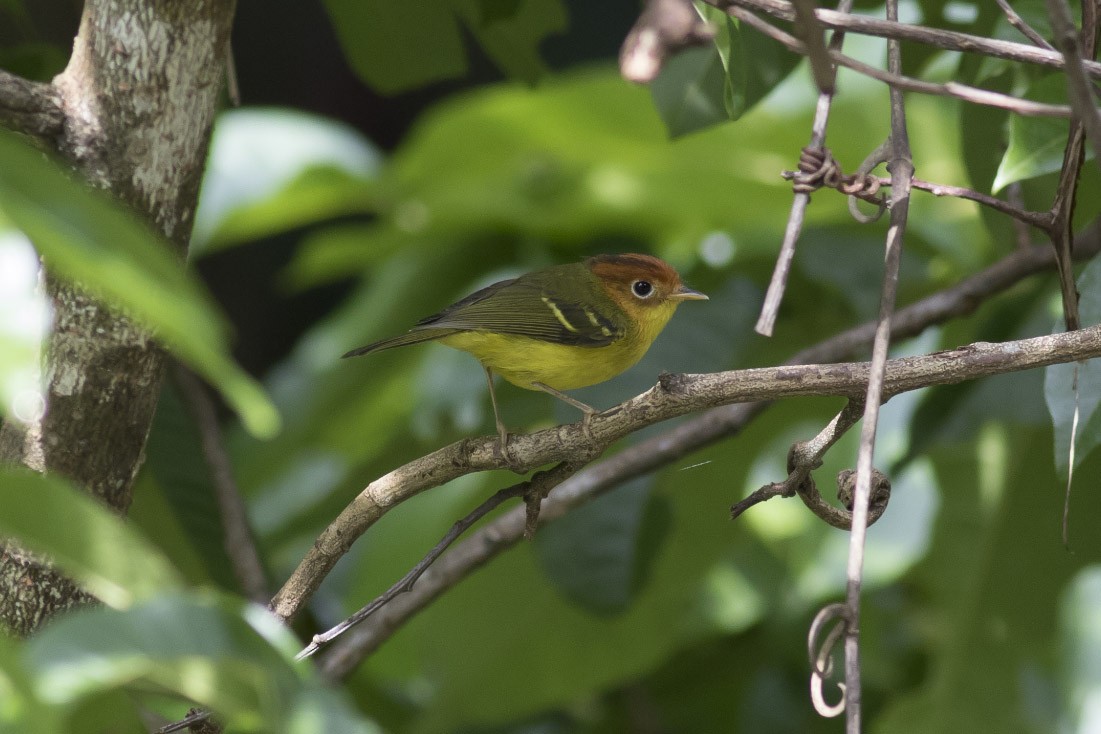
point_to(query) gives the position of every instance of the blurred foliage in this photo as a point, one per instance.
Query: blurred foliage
(86, 237)
(647, 609)
(395, 46)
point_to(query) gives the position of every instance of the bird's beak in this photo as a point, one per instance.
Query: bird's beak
(684, 293)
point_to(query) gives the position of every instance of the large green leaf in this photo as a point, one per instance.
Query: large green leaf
(596, 555)
(270, 170)
(510, 31)
(1036, 144)
(88, 238)
(692, 92)
(215, 652)
(20, 708)
(703, 86)
(178, 476)
(398, 46)
(84, 538)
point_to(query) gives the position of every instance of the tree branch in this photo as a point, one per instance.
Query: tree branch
(1019, 23)
(1040, 220)
(31, 108)
(1066, 191)
(673, 396)
(958, 365)
(794, 228)
(901, 168)
(1078, 85)
(677, 442)
(947, 40)
(948, 89)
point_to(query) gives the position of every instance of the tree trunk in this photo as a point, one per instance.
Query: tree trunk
(136, 103)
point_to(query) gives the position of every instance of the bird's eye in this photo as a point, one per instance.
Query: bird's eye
(642, 288)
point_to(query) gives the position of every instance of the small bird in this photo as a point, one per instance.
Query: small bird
(559, 328)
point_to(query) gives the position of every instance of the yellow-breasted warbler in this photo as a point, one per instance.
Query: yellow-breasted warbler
(559, 328)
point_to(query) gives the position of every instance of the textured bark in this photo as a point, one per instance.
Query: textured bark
(137, 101)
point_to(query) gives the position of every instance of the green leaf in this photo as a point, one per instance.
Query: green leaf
(210, 650)
(181, 475)
(84, 538)
(399, 46)
(688, 92)
(594, 554)
(218, 652)
(766, 63)
(691, 92)
(270, 170)
(1036, 144)
(395, 46)
(732, 52)
(509, 31)
(20, 708)
(88, 238)
(1059, 382)
(319, 709)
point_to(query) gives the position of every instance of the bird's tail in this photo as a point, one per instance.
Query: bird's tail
(415, 336)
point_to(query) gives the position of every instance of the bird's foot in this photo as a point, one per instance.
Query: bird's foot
(586, 423)
(587, 410)
(501, 453)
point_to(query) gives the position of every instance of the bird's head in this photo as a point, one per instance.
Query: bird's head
(646, 288)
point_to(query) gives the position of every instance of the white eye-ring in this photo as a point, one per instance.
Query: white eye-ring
(642, 288)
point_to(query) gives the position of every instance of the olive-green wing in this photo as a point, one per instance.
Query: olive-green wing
(526, 308)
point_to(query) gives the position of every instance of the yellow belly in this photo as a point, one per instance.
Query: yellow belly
(523, 361)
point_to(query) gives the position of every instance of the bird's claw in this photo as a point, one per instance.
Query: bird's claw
(501, 453)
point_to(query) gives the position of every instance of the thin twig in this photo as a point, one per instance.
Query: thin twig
(803, 458)
(233, 87)
(195, 717)
(1078, 85)
(541, 482)
(238, 539)
(937, 37)
(660, 450)
(1019, 23)
(948, 89)
(1014, 209)
(901, 168)
(1062, 207)
(806, 456)
(782, 270)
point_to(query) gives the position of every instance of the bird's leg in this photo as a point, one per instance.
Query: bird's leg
(502, 448)
(587, 411)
